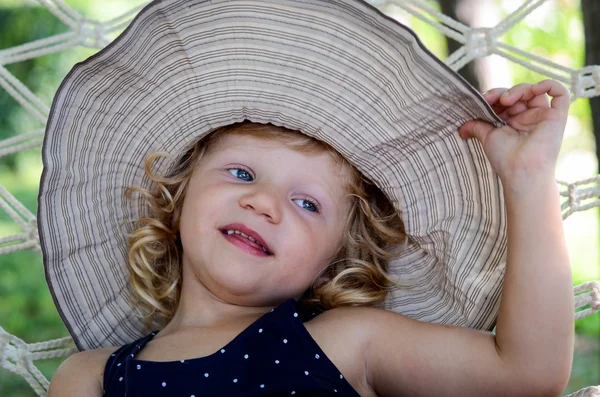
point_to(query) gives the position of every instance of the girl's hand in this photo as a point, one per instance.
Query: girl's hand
(530, 142)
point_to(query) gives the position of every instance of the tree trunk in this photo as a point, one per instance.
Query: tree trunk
(463, 11)
(591, 15)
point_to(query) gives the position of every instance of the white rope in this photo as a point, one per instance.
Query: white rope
(518, 15)
(20, 142)
(576, 192)
(591, 298)
(23, 95)
(63, 12)
(37, 48)
(18, 357)
(592, 391)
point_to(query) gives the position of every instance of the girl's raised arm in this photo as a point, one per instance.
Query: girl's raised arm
(532, 351)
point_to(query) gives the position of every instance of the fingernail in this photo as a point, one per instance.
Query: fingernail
(505, 93)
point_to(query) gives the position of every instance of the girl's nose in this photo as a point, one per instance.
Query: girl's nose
(264, 202)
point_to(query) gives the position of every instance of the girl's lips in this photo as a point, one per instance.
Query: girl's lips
(243, 244)
(248, 232)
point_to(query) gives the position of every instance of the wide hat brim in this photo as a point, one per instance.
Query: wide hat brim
(339, 71)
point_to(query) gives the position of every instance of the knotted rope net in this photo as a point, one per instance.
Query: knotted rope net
(18, 356)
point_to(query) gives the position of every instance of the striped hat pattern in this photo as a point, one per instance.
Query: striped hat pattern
(336, 70)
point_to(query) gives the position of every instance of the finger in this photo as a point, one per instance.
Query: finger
(531, 118)
(539, 101)
(475, 129)
(520, 92)
(493, 95)
(517, 108)
(560, 94)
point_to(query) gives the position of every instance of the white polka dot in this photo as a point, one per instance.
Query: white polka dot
(262, 386)
(121, 379)
(295, 314)
(245, 356)
(235, 381)
(293, 392)
(317, 356)
(305, 372)
(192, 395)
(164, 384)
(285, 341)
(119, 364)
(131, 355)
(206, 375)
(182, 361)
(260, 331)
(341, 376)
(276, 361)
(222, 350)
(139, 366)
(335, 390)
(112, 355)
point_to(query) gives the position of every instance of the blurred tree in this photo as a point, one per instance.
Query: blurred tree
(591, 15)
(17, 28)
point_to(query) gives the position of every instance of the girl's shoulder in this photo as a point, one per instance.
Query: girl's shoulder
(81, 374)
(342, 334)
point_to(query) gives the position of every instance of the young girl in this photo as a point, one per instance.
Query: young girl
(264, 253)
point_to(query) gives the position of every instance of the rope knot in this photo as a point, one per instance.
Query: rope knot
(586, 81)
(480, 42)
(4, 339)
(91, 33)
(33, 237)
(595, 293)
(573, 199)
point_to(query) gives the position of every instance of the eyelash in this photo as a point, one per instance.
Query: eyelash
(313, 202)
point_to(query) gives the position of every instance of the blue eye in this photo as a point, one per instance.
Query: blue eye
(240, 173)
(243, 174)
(310, 205)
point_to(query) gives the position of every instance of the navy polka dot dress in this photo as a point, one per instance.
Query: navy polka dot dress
(274, 356)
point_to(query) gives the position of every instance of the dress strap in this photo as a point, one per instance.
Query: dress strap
(118, 357)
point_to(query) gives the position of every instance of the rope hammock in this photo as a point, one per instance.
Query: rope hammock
(18, 357)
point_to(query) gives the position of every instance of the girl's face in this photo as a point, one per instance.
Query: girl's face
(294, 202)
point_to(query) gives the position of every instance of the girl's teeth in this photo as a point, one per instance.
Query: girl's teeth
(248, 237)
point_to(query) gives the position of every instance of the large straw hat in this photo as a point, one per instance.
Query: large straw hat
(337, 70)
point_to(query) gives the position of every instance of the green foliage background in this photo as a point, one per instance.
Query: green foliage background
(26, 307)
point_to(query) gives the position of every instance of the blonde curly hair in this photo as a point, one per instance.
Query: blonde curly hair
(357, 276)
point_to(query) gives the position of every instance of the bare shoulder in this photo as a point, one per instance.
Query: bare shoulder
(342, 335)
(81, 374)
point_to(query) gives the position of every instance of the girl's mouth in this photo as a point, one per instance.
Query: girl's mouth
(245, 243)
